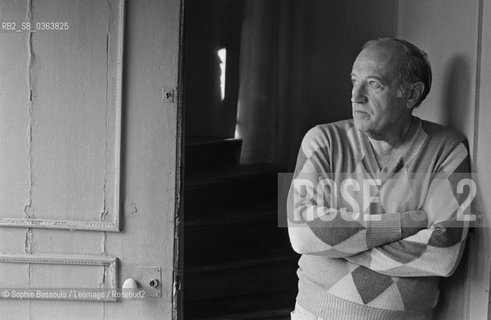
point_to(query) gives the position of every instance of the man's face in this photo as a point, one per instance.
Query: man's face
(378, 101)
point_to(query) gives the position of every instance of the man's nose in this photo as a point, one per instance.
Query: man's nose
(358, 94)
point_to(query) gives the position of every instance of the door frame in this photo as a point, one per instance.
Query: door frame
(177, 296)
(479, 268)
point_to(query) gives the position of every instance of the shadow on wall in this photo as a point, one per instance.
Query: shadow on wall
(456, 93)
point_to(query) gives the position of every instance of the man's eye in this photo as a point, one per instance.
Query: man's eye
(374, 85)
(354, 82)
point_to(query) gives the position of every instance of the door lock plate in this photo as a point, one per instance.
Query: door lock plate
(149, 279)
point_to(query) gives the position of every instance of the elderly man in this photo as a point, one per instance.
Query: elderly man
(376, 207)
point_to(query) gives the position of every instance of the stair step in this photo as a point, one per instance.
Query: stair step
(230, 174)
(235, 216)
(252, 263)
(250, 305)
(205, 210)
(230, 187)
(242, 237)
(229, 211)
(280, 314)
(203, 153)
(240, 279)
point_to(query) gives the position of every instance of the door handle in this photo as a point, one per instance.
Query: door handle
(130, 284)
(147, 279)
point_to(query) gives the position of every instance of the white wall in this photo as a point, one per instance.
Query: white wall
(450, 32)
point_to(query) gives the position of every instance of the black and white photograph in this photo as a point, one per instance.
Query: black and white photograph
(245, 159)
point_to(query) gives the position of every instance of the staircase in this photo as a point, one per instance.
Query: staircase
(238, 264)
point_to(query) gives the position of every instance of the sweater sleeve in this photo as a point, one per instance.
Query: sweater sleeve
(436, 250)
(316, 228)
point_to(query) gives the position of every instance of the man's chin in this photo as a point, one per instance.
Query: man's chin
(365, 128)
(360, 124)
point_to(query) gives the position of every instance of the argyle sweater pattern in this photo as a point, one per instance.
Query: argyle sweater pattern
(345, 213)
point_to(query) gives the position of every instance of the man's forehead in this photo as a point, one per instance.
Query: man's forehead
(379, 60)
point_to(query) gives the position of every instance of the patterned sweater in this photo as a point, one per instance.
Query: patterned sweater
(346, 214)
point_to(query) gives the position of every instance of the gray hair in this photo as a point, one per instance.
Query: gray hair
(416, 66)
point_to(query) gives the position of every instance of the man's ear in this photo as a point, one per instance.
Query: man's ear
(415, 92)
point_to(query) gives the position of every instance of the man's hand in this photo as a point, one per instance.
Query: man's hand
(412, 222)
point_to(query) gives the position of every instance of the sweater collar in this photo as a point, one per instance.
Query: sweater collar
(365, 154)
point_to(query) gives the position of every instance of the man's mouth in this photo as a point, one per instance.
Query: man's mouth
(360, 113)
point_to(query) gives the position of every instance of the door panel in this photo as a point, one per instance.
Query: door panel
(88, 190)
(70, 116)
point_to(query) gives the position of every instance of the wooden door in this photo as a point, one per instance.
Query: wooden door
(88, 147)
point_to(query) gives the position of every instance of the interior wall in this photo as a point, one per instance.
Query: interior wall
(450, 32)
(447, 31)
(316, 43)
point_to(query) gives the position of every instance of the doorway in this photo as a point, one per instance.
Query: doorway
(237, 262)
